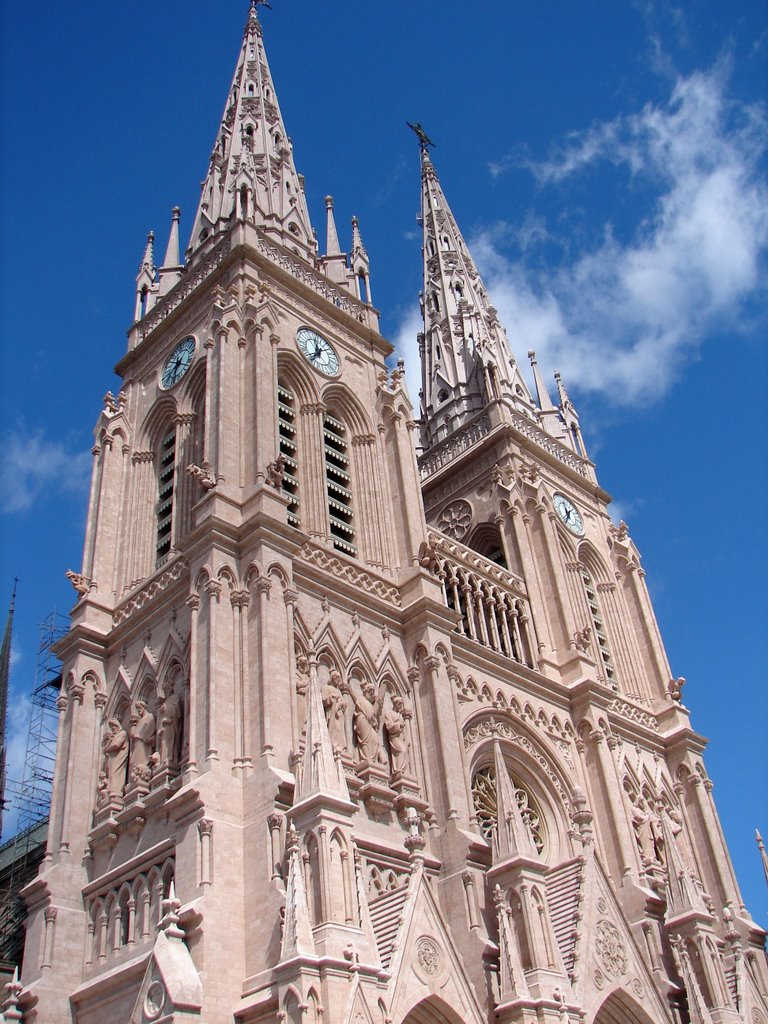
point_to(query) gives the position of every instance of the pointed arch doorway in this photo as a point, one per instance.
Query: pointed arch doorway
(618, 1008)
(432, 1011)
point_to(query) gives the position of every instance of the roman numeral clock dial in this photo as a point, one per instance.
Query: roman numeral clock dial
(317, 351)
(568, 514)
(177, 363)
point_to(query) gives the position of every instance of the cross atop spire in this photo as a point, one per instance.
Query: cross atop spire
(424, 140)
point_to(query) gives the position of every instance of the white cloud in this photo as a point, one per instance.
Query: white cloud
(407, 348)
(33, 466)
(623, 315)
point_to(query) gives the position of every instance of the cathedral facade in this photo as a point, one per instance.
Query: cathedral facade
(366, 717)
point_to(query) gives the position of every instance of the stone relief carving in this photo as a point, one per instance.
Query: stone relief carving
(350, 573)
(561, 735)
(143, 731)
(455, 519)
(368, 705)
(610, 950)
(171, 709)
(146, 594)
(334, 705)
(396, 728)
(115, 763)
(428, 956)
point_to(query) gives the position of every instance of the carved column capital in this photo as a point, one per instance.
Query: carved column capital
(193, 602)
(50, 914)
(240, 598)
(205, 826)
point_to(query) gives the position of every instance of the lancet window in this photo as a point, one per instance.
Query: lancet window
(166, 477)
(337, 481)
(484, 797)
(287, 434)
(601, 640)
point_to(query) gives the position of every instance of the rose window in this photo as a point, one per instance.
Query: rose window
(486, 806)
(455, 519)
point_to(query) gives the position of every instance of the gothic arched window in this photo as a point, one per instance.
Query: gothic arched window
(337, 482)
(287, 435)
(486, 806)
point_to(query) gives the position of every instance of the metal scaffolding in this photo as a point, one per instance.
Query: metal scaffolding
(31, 797)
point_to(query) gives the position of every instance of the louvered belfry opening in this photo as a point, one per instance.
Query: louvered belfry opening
(337, 480)
(287, 433)
(166, 474)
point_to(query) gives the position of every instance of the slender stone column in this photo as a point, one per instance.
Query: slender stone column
(93, 511)
(76, 697)
(239, 600)
(205, 829)
(213, 590)
(263, 587)
(63, 738)
(193, 603)
(468, 880)
(275, 823)
(49, 916)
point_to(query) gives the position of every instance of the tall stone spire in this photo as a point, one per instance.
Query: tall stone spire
(466, 362)
(763, 854)
(5, 673)
(512, 837)
(251, 175)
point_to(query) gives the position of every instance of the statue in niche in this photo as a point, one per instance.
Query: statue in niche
(115, 747)
(396, 728)
(335, 707)
(302, 688)
(641, 822)
(367, 718)
(170, 726)
(142, 740)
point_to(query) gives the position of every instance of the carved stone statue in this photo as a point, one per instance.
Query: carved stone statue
(335, 707)
(302, 687)
(115, 746)
(142, 738)
(171, 727)
(396, 726)
(641, 822)
(366, 722)
(276, 472)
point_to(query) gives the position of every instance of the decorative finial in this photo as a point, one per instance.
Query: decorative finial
(424, 140)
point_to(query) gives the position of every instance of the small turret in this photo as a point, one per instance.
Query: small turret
(360, 264)
(145, 279)
(550, 419)
(570, 418)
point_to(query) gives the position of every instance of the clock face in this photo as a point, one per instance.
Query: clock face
(318, 351)
(178, 362)
(569, 514)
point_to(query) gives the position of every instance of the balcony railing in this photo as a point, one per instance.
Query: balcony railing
(490, 600)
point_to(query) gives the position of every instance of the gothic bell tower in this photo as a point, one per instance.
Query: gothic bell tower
(365, 719)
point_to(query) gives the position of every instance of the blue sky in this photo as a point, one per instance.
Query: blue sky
(606, 162)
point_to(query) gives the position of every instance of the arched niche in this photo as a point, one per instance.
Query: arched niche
(620, 1008)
